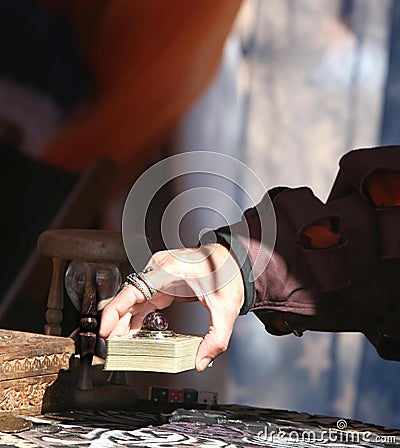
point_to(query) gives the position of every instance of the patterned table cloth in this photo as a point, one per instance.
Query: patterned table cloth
(227, 426)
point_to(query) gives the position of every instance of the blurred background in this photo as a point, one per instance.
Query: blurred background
(285, 86)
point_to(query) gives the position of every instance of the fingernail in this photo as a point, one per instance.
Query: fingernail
(203, 364)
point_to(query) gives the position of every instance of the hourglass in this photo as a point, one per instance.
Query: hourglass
(89, 264)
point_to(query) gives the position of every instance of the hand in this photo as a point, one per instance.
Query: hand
(208, 274)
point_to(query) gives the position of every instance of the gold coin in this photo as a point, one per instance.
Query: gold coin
(12, 423)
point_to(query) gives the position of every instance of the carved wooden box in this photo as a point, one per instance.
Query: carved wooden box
(30, 367)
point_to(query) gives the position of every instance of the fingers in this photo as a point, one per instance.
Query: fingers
(216, 341)
(127, 311)
(119, 307)
(121, 328)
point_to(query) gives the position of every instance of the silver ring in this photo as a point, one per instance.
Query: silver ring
(155, 321)
(148, 283)
(143, 277)
(142, 283)
(134, 279)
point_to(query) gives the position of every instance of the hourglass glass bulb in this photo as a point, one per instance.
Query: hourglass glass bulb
(108, 281)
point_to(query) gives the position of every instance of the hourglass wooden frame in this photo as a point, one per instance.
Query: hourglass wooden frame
(90, 247)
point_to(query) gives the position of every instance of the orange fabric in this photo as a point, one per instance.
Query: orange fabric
(151, 59)
(383, 187)
(319, 235)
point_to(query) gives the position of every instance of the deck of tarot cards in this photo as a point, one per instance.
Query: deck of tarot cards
(152, 351)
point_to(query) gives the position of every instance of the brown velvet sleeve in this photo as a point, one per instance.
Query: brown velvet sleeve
(353, 285)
